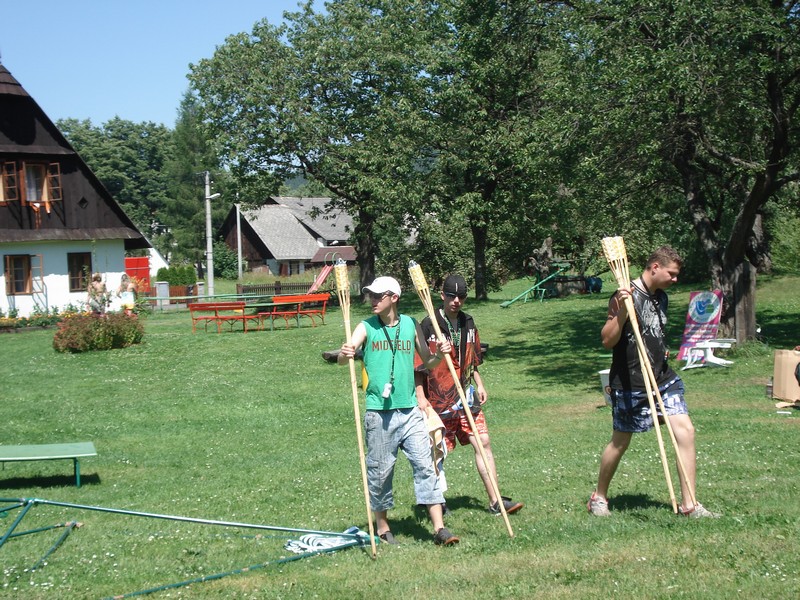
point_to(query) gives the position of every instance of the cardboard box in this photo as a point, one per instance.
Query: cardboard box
(784, 382)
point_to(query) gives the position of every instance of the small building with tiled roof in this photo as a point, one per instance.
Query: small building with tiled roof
(288, 235)
(58, 223)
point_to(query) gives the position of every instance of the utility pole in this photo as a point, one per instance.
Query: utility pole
(239, 236)
(209, 244)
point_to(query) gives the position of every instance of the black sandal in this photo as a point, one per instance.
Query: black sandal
(388, 537)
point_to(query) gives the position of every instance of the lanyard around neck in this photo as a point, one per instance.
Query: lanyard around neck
(392, 347)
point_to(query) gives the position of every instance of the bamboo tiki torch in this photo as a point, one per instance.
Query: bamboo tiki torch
(617, 257)
(343, 291)
(660, 401)
(424, 292)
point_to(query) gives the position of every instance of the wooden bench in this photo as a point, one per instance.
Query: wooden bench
(72, 451)
(296, 306)
(219, 313)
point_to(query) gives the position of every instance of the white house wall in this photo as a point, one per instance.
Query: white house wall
(108, 258)
(157, 261)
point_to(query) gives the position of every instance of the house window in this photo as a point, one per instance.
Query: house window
(8, 182)
(79, 265)
(42, 182)
(18, 274)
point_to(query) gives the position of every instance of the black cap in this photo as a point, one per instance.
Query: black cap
(455, 285)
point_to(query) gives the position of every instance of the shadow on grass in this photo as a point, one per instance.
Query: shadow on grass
(417, 527)
(573, 337)
(465, 503)
(49, 481)
(631, 502)
(570, 331)
(780, 329)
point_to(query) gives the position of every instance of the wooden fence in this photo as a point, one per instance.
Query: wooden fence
(278, 288)
(272, 289)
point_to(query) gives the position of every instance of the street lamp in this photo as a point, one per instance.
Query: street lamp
(209, 245)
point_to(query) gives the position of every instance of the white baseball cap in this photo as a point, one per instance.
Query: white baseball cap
(382, 285)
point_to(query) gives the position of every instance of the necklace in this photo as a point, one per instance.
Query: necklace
(455, 334)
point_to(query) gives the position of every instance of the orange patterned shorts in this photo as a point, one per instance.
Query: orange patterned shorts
(457, 427)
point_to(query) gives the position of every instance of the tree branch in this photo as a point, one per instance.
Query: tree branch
(727, 158)
(788, 178)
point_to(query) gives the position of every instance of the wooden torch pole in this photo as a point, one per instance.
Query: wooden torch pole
(343, 291)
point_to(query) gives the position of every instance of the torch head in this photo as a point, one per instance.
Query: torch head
(417, 276)
(340, 270)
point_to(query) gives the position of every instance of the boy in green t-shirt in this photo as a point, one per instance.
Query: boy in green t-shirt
(393, 419)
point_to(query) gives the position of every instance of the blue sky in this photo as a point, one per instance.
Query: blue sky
(97, 59)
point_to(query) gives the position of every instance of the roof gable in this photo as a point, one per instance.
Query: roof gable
(24, 128)
(85, 210)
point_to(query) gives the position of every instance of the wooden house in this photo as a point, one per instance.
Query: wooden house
(289, 235)
(58, 224)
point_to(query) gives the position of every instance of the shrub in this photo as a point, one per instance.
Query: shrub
(178, 275)
(42, 318)
(80, 333)
(226, 261)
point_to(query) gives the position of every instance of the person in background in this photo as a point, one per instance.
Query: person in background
(98, 295)
(127, 293)
(436, 388)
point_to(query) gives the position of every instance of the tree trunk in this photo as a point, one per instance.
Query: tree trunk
(479, 238)
(758, 247)
(728, 266)
(738, 318)
(365, 247)
(744, 295)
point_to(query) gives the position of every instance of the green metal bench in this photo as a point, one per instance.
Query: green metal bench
(74, 451)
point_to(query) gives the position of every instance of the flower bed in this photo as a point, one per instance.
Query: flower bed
(81, 332)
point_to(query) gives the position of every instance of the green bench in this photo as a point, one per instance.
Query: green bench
(74, 451)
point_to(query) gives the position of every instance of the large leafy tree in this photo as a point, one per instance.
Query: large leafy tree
(319, 98)
(484, 102)
(694, 102)
(400, 109)
(130, 160)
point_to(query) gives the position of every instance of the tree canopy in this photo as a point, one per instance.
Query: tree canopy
(692, 111)
(481, 128)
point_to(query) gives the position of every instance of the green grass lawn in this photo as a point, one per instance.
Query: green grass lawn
(257, 428)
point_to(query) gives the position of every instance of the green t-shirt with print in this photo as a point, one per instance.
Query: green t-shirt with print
(382, 346)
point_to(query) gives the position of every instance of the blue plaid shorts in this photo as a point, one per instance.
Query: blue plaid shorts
(632, 410)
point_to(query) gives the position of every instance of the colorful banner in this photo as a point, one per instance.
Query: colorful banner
(702, 320)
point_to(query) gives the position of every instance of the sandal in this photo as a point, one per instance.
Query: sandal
(388, 537)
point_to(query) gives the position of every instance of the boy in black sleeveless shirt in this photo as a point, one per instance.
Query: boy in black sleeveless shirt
(630, 405)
